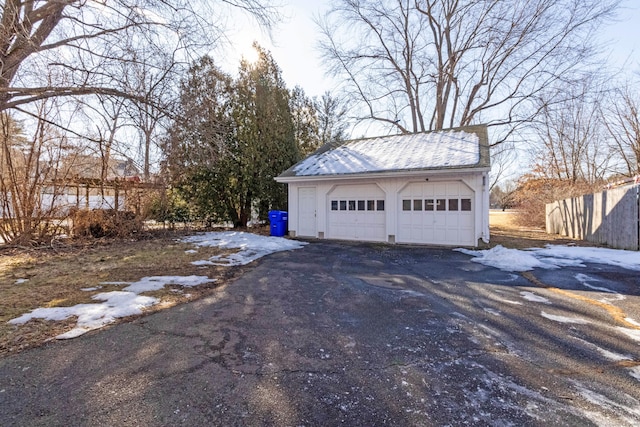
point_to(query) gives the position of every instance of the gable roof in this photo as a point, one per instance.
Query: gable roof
(450, 149)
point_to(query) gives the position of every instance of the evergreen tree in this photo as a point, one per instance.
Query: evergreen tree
(232, 139)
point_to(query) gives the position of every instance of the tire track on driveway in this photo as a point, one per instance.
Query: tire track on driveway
(618, 315)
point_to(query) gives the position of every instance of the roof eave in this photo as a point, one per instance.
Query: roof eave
(384, 174)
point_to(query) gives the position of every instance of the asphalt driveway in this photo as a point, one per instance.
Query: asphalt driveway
(358, 335)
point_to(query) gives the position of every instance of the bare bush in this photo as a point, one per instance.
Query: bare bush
(105, 223)
(534, 192)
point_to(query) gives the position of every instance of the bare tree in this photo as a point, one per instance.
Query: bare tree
(81, 41)
(571, 145)
(30, 177)
(418, 65)
(503, 160)
(154, 77)
(622, 120)
(332, 118)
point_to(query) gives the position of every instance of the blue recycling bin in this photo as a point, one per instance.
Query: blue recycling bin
(278, 221)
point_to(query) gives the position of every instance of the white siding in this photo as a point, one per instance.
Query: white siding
(465, 185)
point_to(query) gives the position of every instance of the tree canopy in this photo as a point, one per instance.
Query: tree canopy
(52, 48)
(232, 138)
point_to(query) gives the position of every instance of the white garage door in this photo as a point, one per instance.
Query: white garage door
(439, 213)
(356, 212)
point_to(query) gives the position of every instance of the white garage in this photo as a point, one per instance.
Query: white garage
(427, 188)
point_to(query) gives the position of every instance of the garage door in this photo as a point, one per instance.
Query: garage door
(439, 213)
(356, 212)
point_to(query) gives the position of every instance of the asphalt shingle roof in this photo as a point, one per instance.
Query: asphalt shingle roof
(459, 148)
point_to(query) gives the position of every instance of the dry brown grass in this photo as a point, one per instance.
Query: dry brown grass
(506, 231)
(32, 278)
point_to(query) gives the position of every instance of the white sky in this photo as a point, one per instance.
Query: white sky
(293, 45)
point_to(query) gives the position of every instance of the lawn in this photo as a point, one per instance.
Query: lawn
(47, 277)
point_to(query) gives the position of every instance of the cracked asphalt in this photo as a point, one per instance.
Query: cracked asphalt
(358, 335)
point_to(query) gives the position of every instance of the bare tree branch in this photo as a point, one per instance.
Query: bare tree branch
(446, 63)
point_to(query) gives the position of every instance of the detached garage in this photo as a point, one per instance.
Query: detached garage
(427, 188)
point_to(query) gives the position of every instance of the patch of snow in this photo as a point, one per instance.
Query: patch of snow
(512, 278)
(92, 316)
(635, 372)
(509, 301)
(629, 410)
(551, 257)
(94, 288)
(190, 251)
(585, 279)
(155, 283)
(20, 281)
(252, 246)
(609, 355)
(564, 319)
(617, 257)
(530, 296)
(631, 333)
(633, 322)
(202, 262)
(492, 311)
(114, 304)
(505, 259)
(616, 357)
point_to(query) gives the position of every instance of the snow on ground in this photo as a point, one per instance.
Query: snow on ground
(586, 281)
(92, 316)
(630, 409)
(530, 296)
(552, 256)
(564, 319)
(631, 333)
(128, 302)
(611, 355)
(252, 246)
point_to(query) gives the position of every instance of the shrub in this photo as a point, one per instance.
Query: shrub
(105, 223)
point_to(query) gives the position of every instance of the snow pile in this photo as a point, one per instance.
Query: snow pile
(552, 256)
(155, 283)
(115, 304)
(252, 246)
(617, 257)
(506, 259)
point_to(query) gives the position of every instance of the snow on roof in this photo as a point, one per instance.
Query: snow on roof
(446, 149)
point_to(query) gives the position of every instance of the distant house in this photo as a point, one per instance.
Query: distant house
(424, 188)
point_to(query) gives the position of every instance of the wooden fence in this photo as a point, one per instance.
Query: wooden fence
(611, 217)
